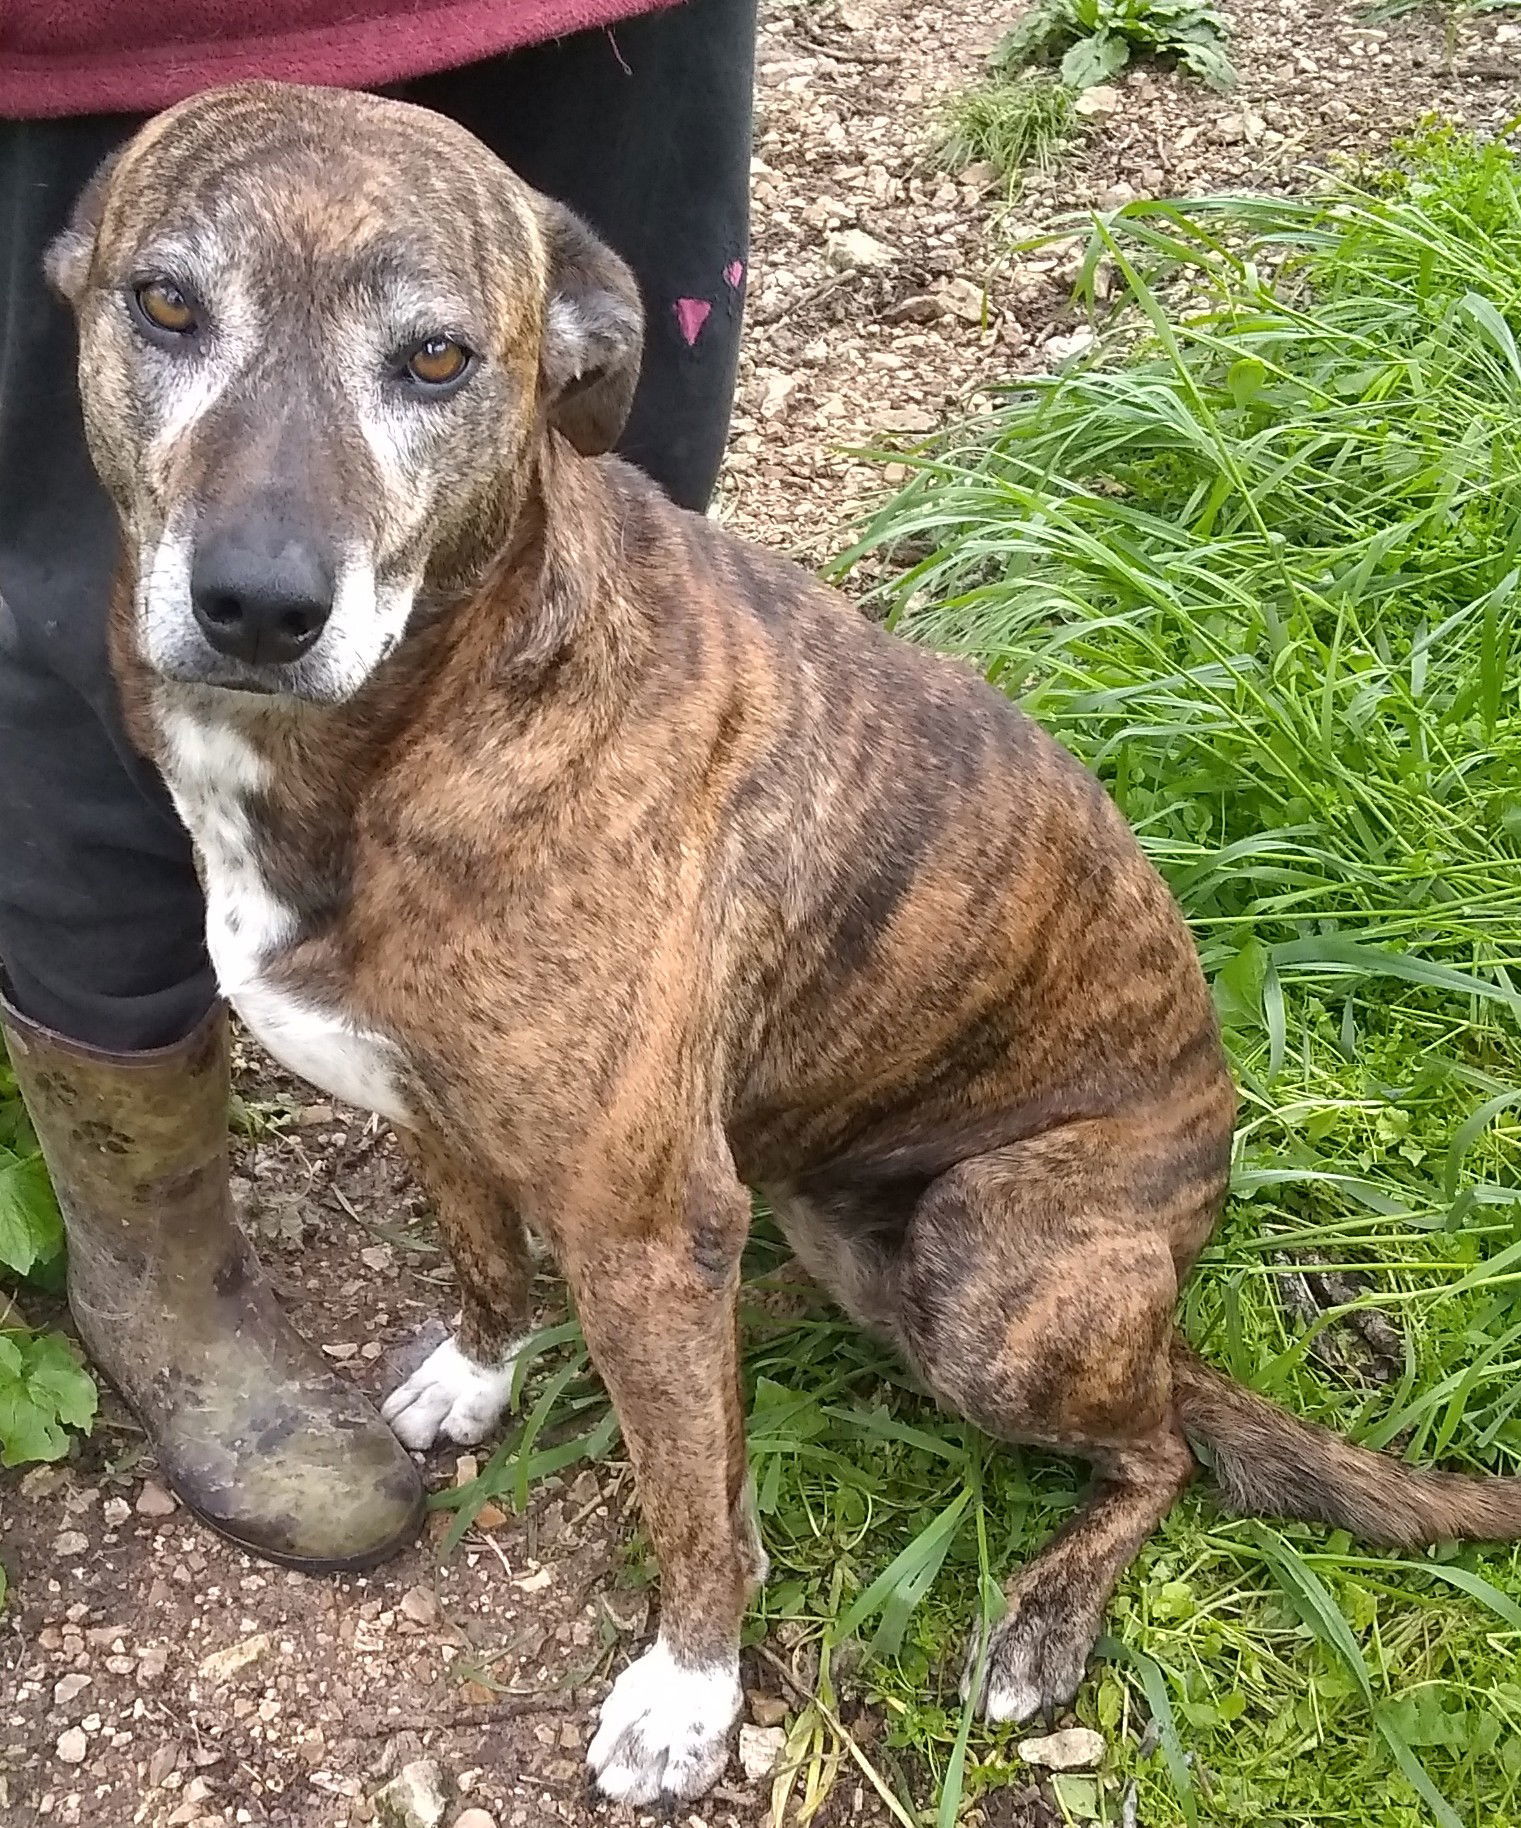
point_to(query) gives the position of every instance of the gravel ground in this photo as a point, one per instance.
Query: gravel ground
(149, 1674)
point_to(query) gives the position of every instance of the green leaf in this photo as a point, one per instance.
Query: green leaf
(1154, 1685)
(1041, 29)
(31, 1227)
(1079, 1796)
(55, 1375)
(1210, 62)
(1093, 60)
(28, 1428)
(929, 1543)
(1313, 1602)
(1245, 379)
(1332, 952)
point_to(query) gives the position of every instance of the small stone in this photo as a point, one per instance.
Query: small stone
(775, 394)
(919, 308)
(40, 1481)
(760, 1750)
(490, 1516)
(766, 1710)
(1076, 1748)
(115, 1512)
(122, 1665)
(152, 1662)
(1234, 128)
(221, 1665)
(982, 175)
(72, 1748)
(1096, 103)
(420, 1604)
(70, 1542)
(414, 1798)
(966, 300)
(1077, 342)
(154, 1501)
(165, 1759)
(377, 1256)
(466, 1468)
(907, 419)
(854, 251)
(70, 1687)
(475, 1818)
(343, 1353)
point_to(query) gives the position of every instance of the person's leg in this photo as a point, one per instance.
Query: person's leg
(100, 914)
(645, 130)
(106, 994)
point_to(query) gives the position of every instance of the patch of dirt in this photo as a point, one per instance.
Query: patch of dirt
(150, 1673)
(841, 356)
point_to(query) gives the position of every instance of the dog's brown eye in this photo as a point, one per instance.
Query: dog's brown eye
(166, 307)
(438, 361)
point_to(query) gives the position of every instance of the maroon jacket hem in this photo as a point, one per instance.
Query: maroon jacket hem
(363, 54)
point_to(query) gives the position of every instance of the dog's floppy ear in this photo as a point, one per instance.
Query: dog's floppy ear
(67, 260)
(593, 334)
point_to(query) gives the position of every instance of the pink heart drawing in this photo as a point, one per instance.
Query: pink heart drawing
(691, 315)
(734, 273)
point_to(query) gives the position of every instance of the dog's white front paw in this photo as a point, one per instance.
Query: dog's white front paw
(664, 1730)
(449, 1395)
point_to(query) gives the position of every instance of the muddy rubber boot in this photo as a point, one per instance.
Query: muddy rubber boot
(255, 1432)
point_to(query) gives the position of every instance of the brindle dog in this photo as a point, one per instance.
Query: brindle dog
(625, 869)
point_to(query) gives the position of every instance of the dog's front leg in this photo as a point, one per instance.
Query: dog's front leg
(458, 1393)
(657, 1296)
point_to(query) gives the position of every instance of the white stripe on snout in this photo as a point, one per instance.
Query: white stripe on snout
(367, 622)
(166, 626)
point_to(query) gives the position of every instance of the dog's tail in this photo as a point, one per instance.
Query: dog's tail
(1269, 1463)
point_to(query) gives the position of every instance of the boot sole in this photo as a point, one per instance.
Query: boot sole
(308, 1564)
(301, 1564)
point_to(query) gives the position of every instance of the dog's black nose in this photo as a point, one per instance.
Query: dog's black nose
(260, 596)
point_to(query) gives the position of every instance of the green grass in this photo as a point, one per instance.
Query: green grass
(1258, 564)
(1014, 125)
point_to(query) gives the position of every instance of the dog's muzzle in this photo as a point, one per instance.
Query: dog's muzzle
(261, 592)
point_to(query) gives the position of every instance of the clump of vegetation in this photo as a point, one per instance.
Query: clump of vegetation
(1260, 568)
(1094, 39)
(1015, 126)
(43, 1390)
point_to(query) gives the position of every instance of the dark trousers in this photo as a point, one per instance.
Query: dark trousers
(645, 130)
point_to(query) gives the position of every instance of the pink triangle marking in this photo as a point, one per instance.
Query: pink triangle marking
(734, 273)
(691, 315)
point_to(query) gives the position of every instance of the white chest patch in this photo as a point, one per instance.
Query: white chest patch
(212, 771)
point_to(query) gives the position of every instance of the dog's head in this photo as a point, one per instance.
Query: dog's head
(322, 336)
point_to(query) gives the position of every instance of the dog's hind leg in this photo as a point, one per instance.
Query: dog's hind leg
(460, 1391)
(1036, 1289)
